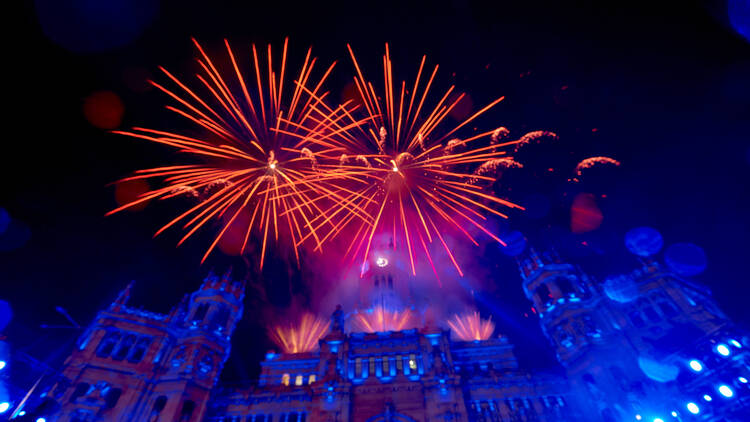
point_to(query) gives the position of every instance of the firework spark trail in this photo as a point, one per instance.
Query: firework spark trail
(409, 170)
(471, 327)
(493, 167)
(301, 337)
(247, 164)
(380, 319)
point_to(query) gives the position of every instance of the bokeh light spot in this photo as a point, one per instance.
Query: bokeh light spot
(90, 26)
(686, 259)
(644, 241)
(585, 215)
(103, 109)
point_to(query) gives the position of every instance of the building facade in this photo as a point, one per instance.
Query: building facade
(647, 345)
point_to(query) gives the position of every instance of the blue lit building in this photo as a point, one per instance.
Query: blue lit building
(647, 345)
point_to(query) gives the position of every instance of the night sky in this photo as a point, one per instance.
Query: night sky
(666, 91)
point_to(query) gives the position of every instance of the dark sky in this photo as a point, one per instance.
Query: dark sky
(664, 90)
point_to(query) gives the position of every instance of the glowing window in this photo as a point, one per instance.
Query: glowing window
(311, 379)
(298, 380)
(285, 379)
(358, 367)
(385, 365)
(371, 366)
(399, 364)
(412, 361)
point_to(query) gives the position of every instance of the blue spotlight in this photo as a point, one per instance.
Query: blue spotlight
(706, 397)
(695, 365)
(726, 391)
(693, 408)
(742, 380)
(2, 364)
(722, 349)
(41, 420)
(658, 420)
(674, 414)
(735, 343)
(4, 406)
(638, 417)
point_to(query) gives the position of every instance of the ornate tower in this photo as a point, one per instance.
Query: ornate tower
(132, 364)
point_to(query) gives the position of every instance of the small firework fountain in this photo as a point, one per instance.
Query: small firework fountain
(471, 327)
(301, 337)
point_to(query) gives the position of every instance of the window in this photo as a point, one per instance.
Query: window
(565, 286)
(371, 367)
(385, 366)
(111, 398)
(412, 361)
(107, 344)
(81, 390)
(159, 404)
(206, 364)
(200, 313)
(124, 347)
(298, 380)
(220, 317)
(635, 316)
(187, 410)
(358, 367)
(285, 379)
(651, 313)
(311, 379)
(542, 293)
(140, 349)
(399, 364)
(668, 309)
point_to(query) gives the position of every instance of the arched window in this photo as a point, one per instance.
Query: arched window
(124, 347)
(200, 313)
(285, 379)
(412, 361)
(140, 349)
(565, 286)
(311, 379)
(298, 379)
(542, 293)
(187, 410)
(220, 317)
(107, 344)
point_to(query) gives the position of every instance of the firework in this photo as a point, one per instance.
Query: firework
(405, 171)
(380, 319)
(591, 162)
(302, 337)
(246, 159)
(471, 327)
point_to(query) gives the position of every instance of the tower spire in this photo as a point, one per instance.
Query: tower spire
(122, 298)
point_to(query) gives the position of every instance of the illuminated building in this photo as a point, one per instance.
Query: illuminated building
(647, 345)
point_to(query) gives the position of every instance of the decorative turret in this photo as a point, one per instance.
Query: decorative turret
(217, 306)
(122, 298)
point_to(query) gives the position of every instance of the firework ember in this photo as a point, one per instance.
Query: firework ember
(471, 327)
(246, 159)
(411, 177)
(302, 337)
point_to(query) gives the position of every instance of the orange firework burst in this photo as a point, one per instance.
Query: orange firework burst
(249, 162)
(380, 319)
(302, 337)
(407, 175)
(592, 162)
(471, 327)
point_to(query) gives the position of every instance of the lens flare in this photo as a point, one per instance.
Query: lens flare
(247, 160)
(407, 175)
(471, 327)
(301, 337)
